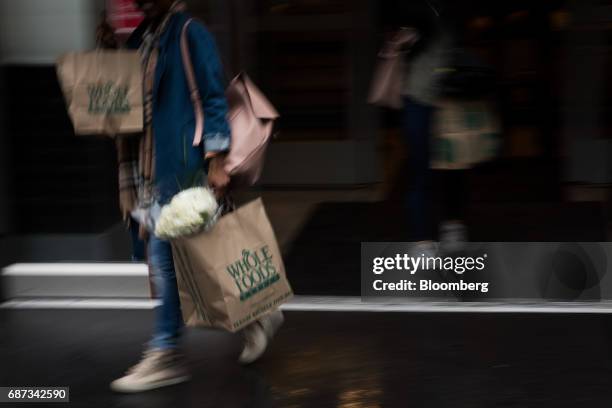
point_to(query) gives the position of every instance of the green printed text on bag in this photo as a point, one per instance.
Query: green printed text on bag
(108, 98)
(253, 272)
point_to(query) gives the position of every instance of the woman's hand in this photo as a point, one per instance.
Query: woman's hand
(218, 179)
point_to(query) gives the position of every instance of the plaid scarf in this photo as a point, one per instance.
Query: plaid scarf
(136, 155)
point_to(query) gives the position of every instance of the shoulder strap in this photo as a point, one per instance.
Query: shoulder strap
(193, 86)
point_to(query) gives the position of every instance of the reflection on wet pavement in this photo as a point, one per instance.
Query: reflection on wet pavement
(344, 360)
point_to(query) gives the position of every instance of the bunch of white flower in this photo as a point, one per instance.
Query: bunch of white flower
(189, 212)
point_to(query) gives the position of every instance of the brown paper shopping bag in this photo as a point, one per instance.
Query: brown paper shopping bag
(233, 274)
(465, 133)
(103, 91)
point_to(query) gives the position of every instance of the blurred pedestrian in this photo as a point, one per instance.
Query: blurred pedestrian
(445, 114)
(154, 166)
(420, 94)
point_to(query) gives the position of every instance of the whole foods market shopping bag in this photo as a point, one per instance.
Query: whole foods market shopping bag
(103, 91)
(465, 133)
(232, 274)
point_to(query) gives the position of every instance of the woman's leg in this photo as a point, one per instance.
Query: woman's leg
(453, 231)
(455, 194)
(168, 318)
(417, 123)
(161, 364)
(138, 245)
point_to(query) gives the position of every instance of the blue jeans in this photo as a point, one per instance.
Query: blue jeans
(168, 317)
(417, 126)
(138, 245)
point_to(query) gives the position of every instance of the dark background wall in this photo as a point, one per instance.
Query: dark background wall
(314, 61)
(58, 182)
(5, 195)
(51, 181)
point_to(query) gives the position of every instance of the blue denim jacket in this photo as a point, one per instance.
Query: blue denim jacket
(177, 160)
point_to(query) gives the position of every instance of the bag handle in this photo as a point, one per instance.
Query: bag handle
(226, 205)
(194, 92)
(405, 36)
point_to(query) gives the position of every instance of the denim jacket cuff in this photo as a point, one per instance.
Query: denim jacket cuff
(216, 142)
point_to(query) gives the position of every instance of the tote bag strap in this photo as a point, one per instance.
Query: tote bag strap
(194, 92)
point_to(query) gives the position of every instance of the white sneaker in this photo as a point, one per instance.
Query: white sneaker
(426, 249)
(257, 336)
(453, 236)
(272, 322)
(157, 368)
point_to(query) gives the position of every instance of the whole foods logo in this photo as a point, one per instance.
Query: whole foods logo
(253, 272)
(108, 98)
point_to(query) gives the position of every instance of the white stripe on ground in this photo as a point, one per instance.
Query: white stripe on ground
(337, 304)
(354, 304)
(102, 304)
(76, 269)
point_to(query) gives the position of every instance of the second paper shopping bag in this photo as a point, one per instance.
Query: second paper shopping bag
(103, 91)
